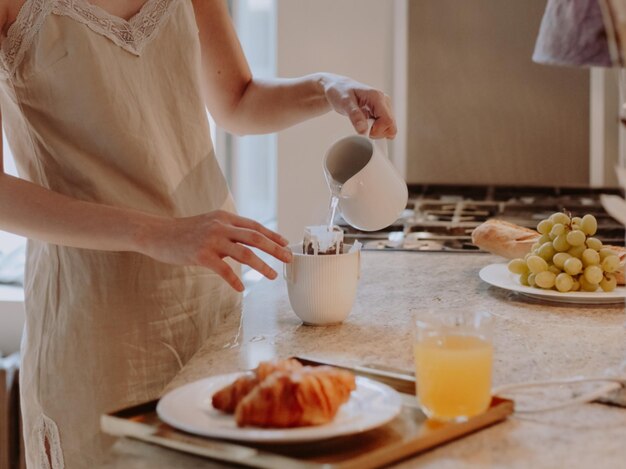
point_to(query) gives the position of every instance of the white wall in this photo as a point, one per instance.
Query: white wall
(349, 37)
(8, 241)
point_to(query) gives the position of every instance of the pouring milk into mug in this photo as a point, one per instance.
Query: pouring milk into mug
(322, 279)
(371, 193)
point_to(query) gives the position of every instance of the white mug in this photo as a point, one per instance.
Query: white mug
(372, 194)
(322, 288)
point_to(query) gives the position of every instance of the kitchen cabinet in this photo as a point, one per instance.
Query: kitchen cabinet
(11, 448)
(11, 318)
(480, 111)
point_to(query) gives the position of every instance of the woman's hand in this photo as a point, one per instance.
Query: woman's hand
(205, 240)
(360, 102)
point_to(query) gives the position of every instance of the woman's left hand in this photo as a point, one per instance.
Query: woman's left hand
(359, 103)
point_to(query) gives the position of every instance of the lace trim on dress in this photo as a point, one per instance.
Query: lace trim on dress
(50, 452)
(131, 35)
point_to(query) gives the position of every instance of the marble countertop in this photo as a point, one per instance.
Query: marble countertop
(533, 340)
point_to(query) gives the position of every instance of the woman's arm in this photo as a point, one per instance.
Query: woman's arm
(30, 210)
(244, 105)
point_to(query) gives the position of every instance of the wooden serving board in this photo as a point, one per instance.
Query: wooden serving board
(411, 432)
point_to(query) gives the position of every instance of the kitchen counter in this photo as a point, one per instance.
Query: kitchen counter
(533, 341)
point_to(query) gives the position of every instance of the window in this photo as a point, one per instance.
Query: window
(8, 241)
(250, 165)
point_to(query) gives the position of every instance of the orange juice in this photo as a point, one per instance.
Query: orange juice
(453, 376)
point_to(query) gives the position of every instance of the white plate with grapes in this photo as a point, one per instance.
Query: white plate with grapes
(566, 264)
(499, 276)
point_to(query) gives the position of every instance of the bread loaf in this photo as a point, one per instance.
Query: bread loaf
(513, 241)
(504, 239)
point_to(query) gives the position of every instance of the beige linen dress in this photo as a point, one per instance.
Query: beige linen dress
(108, 111)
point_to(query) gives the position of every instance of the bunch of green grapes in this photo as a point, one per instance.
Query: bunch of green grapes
(567, 257)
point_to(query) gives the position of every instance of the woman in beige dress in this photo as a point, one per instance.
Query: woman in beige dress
(133, 240)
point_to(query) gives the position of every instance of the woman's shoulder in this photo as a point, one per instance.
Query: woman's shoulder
(9, 9)
(4, 17)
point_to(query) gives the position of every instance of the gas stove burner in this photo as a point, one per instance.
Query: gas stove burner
(442, 217)
(422, 245)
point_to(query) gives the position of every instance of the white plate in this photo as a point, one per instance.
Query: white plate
(189, 408)
(498, 275)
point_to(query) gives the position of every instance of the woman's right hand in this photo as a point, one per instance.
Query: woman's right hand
(205, 240)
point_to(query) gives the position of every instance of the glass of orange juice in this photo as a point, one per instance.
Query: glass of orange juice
(453, 361)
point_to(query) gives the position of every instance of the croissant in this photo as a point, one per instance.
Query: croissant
(310, 396)
(226, 399)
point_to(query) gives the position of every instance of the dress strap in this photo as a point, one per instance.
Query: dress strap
(21, 33)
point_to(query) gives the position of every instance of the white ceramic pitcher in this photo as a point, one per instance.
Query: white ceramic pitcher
(371, 192)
